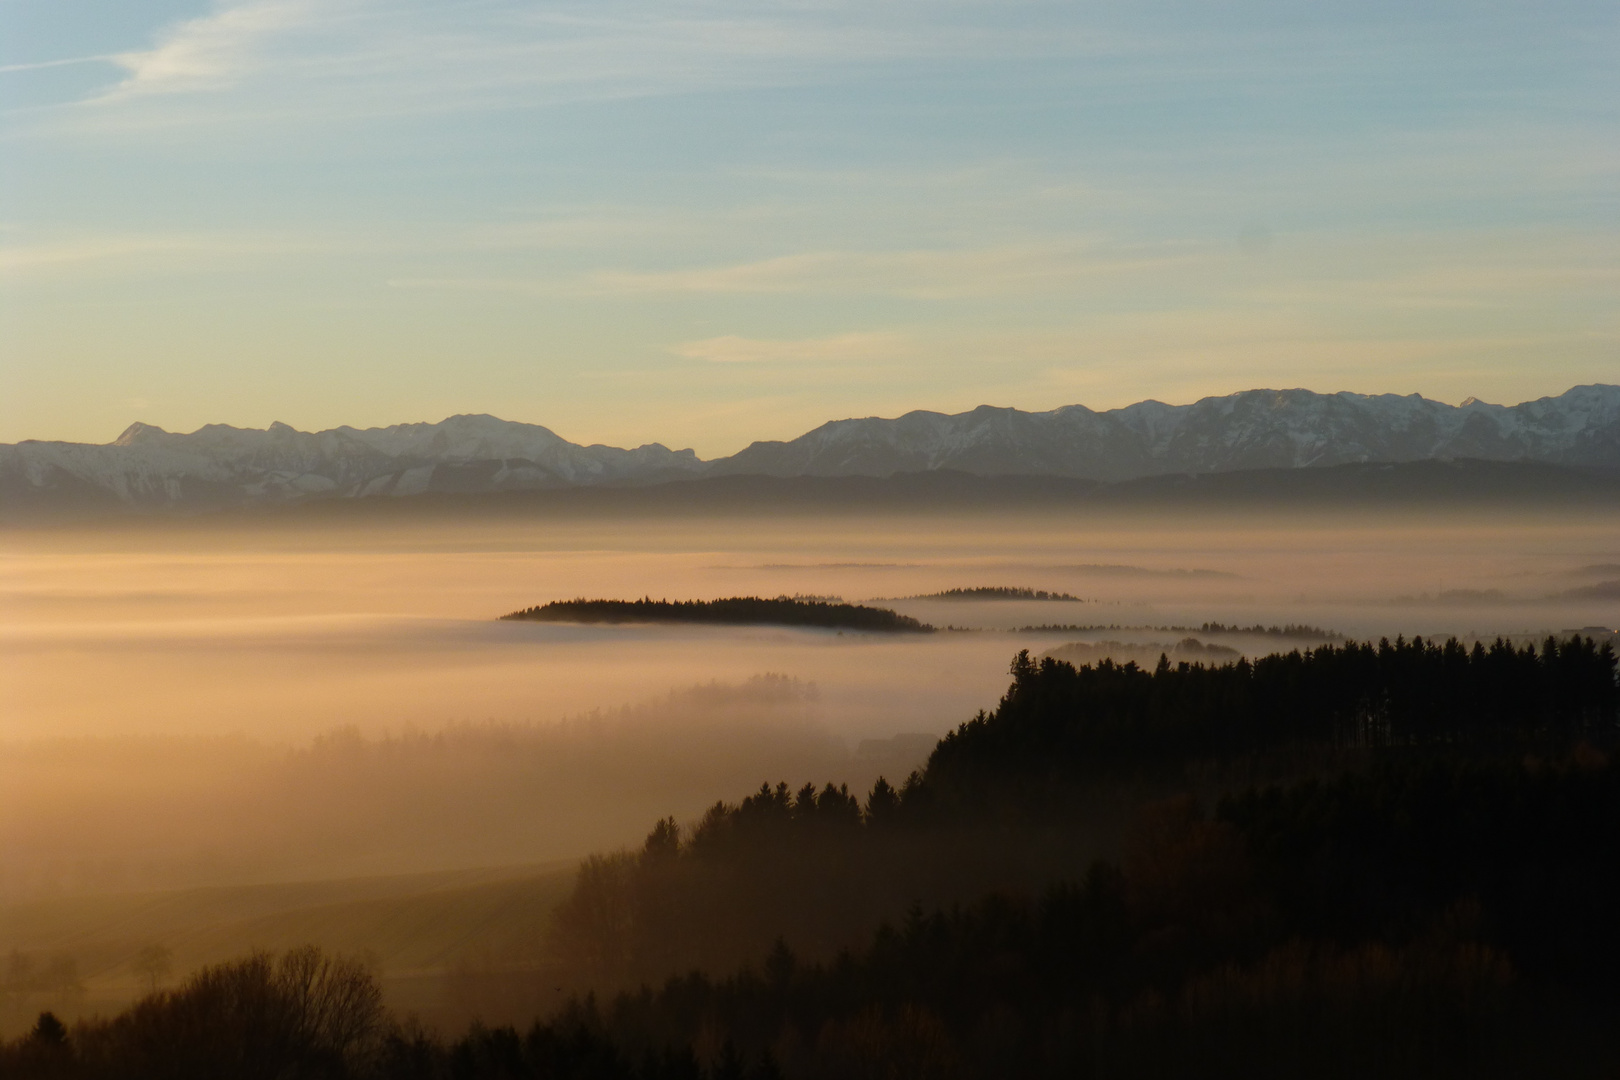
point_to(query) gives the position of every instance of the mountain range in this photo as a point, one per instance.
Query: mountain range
(147, 468)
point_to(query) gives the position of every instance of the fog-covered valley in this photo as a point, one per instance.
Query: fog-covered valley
(324, 733)
(281, 634)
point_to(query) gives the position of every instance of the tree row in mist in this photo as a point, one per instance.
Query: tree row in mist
(999, 592)
(150, 813)
(731, 611)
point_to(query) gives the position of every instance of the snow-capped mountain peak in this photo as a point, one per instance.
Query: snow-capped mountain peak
(217, 464)
(1246, 430)
(138, 433)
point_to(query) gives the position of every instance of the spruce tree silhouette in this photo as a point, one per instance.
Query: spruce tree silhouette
(48, 1031)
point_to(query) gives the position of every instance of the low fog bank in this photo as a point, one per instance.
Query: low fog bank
(237, 712)
(130, 813)
(428, 852)
(280, 634)
(217, 737)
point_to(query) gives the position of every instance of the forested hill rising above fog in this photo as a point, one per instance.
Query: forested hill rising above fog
(219, 465)
(1390, 860)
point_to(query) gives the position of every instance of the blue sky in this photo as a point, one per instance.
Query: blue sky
(704, 223)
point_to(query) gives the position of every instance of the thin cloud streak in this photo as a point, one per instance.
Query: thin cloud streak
(213, 51)
(191, 249)
(41, 65)
(363, 57)
(924, 274)
(1405, 271)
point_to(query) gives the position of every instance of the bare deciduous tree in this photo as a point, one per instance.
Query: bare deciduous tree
(153, 964)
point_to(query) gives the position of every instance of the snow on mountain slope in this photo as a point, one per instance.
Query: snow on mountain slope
(1249, 430)
(218, 465)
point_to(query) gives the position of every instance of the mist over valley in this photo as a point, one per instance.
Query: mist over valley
(226, 707)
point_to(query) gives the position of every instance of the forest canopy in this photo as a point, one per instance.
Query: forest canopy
(1057, 718)
(1021, 797)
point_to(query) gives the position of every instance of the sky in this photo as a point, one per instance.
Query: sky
(704, 222)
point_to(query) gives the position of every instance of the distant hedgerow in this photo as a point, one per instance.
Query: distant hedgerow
(732, 611)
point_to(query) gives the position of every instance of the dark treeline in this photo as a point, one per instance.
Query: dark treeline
(1039, 788)
(1287, 630)
(1431, 893)
(1420, 918)
(1058, 723)
(732, 611)
(999, 592)
(816, 866)
(302, 1014)
(1356, 694)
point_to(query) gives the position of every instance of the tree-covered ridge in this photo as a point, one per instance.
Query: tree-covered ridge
(732, 611)
(1269, 937)
(1462, 908)
(1056, 720)
(1011, 799)
(1287, 630)
(1301, 631)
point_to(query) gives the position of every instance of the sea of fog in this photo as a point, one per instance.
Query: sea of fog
(217, 736)
(205, 703)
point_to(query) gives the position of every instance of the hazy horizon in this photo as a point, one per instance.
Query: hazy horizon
(222, 650)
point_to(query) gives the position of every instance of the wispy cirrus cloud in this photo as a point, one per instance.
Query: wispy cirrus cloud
(217, 50)
(365, 57)
(71, 61)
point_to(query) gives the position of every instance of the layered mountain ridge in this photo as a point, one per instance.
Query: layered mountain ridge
(148, 468)
(1255, 429)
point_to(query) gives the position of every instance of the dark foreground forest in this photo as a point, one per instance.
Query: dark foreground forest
(1366, 860)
